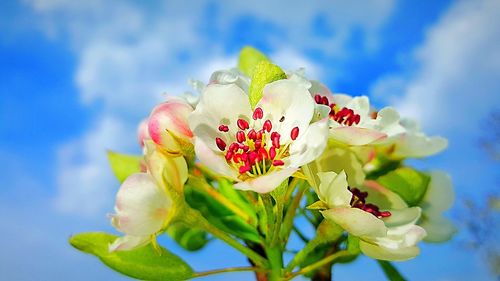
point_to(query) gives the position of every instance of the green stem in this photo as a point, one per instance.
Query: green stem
(275, 258)
(319, 264)
(196, 219)
(302, 254)
(268, 206)
(277, 223)
(224, 270)
(290, 214)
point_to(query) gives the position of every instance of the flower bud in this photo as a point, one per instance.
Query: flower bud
(168, 127)
(142, 132)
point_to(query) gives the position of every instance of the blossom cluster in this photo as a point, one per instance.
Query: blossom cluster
(263, 146)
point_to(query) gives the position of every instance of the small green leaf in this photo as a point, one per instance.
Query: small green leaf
(352, 246)
(264, 73)
(249, 58)
(390, 271)
(318, 205)
(408, 183)
(124, 165)
(191, 239)
(143, 263)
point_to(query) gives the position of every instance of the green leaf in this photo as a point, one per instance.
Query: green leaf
(249, 58)
(219, 215)
(264, 73)
(408, 183)
(191, 239)
(390, 271)
(144, 263)
(226, 188)
(124, 165)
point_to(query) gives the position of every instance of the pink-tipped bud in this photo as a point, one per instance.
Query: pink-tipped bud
(170, 118)
(142, 132)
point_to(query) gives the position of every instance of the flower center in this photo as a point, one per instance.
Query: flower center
(344, 116)
(257, 149)
(358, 200)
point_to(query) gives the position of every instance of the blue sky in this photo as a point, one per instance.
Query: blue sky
(77, 76)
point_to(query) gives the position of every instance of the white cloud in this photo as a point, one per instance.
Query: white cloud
(459, 64)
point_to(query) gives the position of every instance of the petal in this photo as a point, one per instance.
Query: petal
(333, 189)
(418, 145)
(440, 195)
(141, 206)
(215, 161)
(309, 145)
(231, 76)
(355, 135)
(439, 229)
(128, 242)
(382, 196)
(338, 159)
(219, 104)
(356, 221)
(380, 253)
(267, 182)
(360, 105)
(168, 170)
(402, 217)
(291, 100)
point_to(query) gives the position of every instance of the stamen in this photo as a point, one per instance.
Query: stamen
(358, 201)
(258, 113)
(252, 134)
(240, 136)
(295, 133)
(268, 126)
(282, 118)
(242, 124)
(278, 163)
(223, 128)
(220, 144)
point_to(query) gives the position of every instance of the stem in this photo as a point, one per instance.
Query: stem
(300, 234)
(302, 254)
(223, 270)
(275, 258)
(196, 219)
(318, 264)
(277, 223)
(290, 214)
(268, 206)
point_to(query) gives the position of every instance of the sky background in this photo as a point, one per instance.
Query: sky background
(76, 77)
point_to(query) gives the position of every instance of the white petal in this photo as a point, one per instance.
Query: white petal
(231, 76)
(440, 195)
(381, 196)
(333, 189)
(360, 105)
(352, 135)
(141, 206)
(418, 145)
(219, 104)
(166, 169)
(338, 159)
(215, 161)
(267, 182)
(288, 99)
(439, 229)
(380, 253)
(356, 221)
(401, 217)
(310, 144)
(128, 242)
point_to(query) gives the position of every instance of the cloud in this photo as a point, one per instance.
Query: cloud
(456, 80)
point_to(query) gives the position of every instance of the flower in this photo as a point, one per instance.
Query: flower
(168, 127)
(438, 198)
(142, 132)
(262, 147)
(384, 235)
(351, 120)
(146, 202)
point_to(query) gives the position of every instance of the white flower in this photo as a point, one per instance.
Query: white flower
(262, 147)
(438, 198)
(352, 121)
(384, 235)
(145, 202)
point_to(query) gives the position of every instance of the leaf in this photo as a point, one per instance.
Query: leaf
(264, 73)
(390, 271)
(249, 58)
(408, 183)
(226, 188)
(191, 239)
(219, 215)
(124, 165)
(143, 263)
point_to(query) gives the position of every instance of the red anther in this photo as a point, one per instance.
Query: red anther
(229, 155)
(220, 144)
(357, 118)
(245, 148)
(244, 169)
(223, 128)
(252, 156)
(317, 98)
(258, 113)
(263, 153)
(268, 126)
(233, 147)
(272, 152)
(242, 124)
(294, 133)
(273, 135)
(259, 135)
(258, 144)
(237, 158)
(240, 136)
(276, 140)
(324, 100)
(384, 214)
(244, 157)
(252, 134)
(278, 163)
